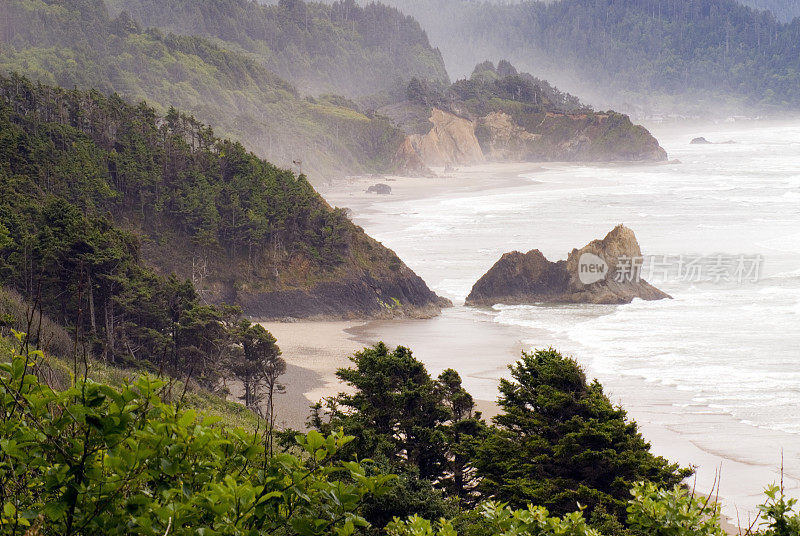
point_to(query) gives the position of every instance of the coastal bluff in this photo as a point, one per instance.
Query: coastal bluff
(604, 271)
(468, 139)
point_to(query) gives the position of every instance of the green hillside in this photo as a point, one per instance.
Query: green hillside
(98, 193)
(78, 44)
(341, 48)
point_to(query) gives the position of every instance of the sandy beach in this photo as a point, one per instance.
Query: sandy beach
(313, 352)
(351, 192)
(423, 215)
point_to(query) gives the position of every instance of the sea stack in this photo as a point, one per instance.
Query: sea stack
(604, 271)
(699, 141)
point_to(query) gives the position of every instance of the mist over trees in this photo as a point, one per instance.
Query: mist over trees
(784, 10)
(628, 54)
(339, 48)
(81, 44)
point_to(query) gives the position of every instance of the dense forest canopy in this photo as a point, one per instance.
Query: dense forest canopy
(629, 53)
(784, 10)
(340, 48)
(103, 201)
(79, 44)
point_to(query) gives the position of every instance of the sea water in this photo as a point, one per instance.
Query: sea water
(726, 346)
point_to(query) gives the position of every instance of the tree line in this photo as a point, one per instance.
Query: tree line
(338, 48)
(89, 182)
(79, 44)
(558, 461)
(692, 53)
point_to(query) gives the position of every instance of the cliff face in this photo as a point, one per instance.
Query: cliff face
(408, 161)
(406, 295)
(503, 139)
(512, 116)
(600, 272)
(542, 137)
(368, 281)
(450, 141)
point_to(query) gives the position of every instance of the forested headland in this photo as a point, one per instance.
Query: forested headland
(501, 114)
(120, 221)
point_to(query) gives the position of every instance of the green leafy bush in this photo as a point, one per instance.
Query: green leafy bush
(500, 520)
(777, 514)
(92, 459)
(672, 512)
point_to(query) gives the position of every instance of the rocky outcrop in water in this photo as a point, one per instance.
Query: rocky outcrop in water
(703, 141)
(604, 271)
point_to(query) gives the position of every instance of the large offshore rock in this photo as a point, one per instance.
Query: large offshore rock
(603, 271)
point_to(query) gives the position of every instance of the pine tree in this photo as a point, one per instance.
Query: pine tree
(559, 442)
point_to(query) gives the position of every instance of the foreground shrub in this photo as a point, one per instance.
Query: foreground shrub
(672, 512)
(97, 460)
(499, 519)
(778, 517)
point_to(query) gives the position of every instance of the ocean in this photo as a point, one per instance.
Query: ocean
(713, 374)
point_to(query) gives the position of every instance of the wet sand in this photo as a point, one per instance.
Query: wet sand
(313, 352)
(351, 192)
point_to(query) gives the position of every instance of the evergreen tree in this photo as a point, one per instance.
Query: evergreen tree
(423, 429)
(395, 412)
(258, 364)
(560, 443)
